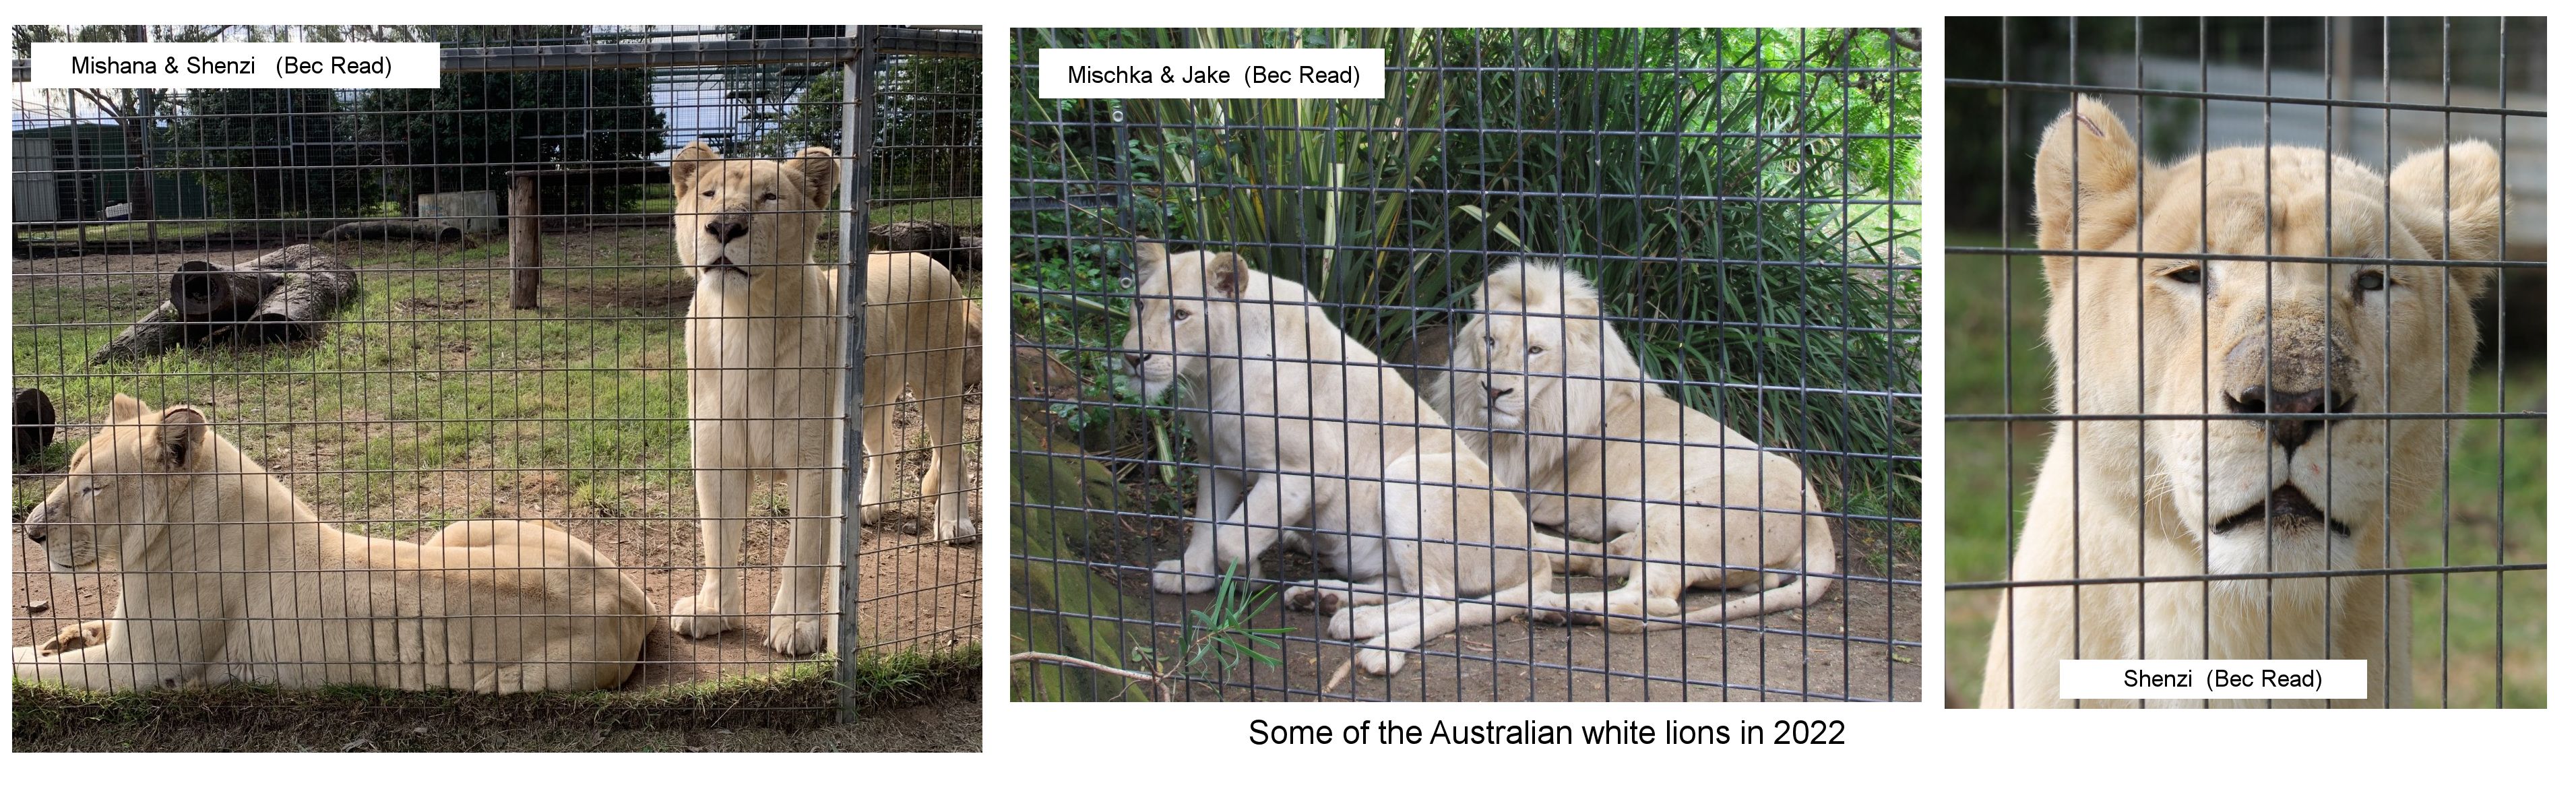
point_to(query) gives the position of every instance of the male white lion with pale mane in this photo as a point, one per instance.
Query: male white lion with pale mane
(1550, 392)
(2310, 482)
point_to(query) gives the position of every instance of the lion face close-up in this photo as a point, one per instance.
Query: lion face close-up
(2253, 344)
(738, 218)
(118, 485)
(1531, 355)
(1184, 304)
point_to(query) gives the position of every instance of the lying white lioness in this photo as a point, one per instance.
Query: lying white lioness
(224, 576)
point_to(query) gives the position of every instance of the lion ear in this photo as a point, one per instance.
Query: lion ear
(2087, 171)
(181, 437)
(125, 409)
(1225, 274)
(819, 171)
(690, 160)
(2468, 179)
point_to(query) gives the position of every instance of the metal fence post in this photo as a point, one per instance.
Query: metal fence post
(858, 119)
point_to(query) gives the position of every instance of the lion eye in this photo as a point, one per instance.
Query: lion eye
(1180, 314)
(769, 197)
(2189, 275)
(2373, 281)
(1489, 342)
(709, 193)
(1534, 349)
(93, 490)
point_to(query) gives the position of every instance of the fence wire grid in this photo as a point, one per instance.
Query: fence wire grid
(2105, 500)
(1745, 203)
(417, 308)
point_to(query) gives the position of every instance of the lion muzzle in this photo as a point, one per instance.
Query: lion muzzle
(2304, 372)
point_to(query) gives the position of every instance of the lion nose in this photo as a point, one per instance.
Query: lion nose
(727, 228)
(1136, 359)
(36, 534)
(1495, 394)
(2289, 433)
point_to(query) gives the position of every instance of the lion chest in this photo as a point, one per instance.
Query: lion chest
(763, 386)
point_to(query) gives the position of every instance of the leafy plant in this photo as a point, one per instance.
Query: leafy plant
(1745, 196)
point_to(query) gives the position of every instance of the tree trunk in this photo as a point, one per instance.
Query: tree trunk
(304, 303)
(953, 246)
(287, 295)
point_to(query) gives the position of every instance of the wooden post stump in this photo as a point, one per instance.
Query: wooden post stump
(527, 250)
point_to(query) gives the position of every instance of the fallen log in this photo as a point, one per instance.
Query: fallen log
(956, 248)
(287, 295)
(33, 413)
(433, 231)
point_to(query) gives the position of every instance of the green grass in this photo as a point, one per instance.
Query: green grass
(1984, 486)
(799, 696)
(960, 212)
(129, 231)
(428, 370)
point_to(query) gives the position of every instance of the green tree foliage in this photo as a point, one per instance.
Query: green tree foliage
(476, 127)
(272, 153)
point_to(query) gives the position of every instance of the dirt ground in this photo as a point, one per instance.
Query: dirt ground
(1793, 655)
(914, 592)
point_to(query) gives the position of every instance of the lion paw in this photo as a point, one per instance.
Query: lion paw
(1380, 662)
(1169, 578)
(689, 623)
(1309, 598)
(957, 532)
(1623, 618)
(1366, 621)
(796, 636)
(76, 636)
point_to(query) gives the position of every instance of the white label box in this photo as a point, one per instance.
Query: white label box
(2213, 679)
(1212, 73)
(233, 65)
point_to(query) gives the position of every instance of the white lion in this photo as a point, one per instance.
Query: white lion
(223, 575)
(1307, 435)
(765, 366)
(1606, 454)
(2197, 335)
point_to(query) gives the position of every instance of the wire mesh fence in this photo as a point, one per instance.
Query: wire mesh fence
(1320, 399)
(454, 327)
(2291, 405)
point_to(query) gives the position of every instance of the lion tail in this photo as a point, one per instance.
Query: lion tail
(1806, 590)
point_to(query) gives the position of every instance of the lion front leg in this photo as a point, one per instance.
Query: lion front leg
(796, 612)
(112, 664)
(75, 636)
(724, 498)
(1219, 493)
